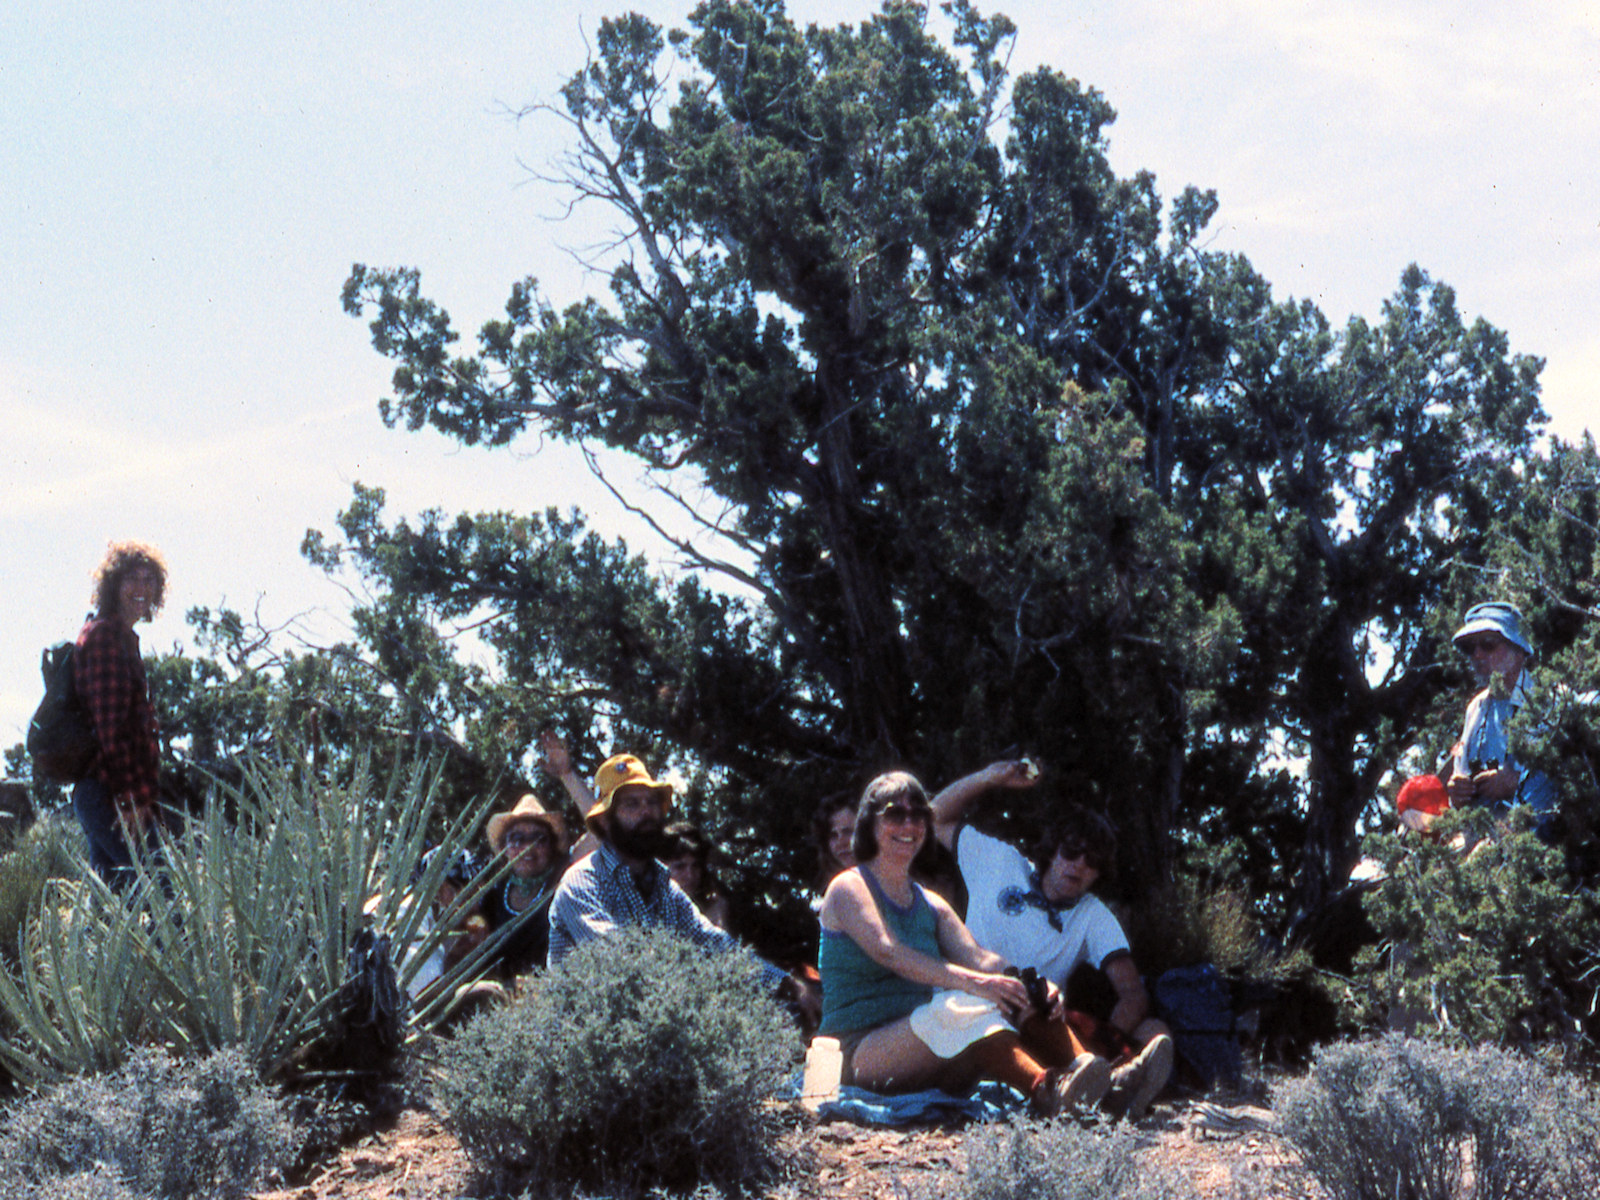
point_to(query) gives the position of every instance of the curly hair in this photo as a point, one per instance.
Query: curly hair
(121, 558)
(894, 787)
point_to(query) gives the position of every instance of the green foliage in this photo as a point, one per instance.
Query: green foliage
(991, 449)
(51, 848)
(1380, 1119)
(1058, 1160)
(156, 1128)
(639, 1062)
(1546, 556)
(1192, 921)
(240, 937)
(1493, 945)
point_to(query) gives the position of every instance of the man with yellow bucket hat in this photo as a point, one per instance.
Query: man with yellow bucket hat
(621, 883)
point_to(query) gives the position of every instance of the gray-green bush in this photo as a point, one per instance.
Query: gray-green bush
(158, 1128)
(1058, 1160)
(1398, 1116)
(639, 1062)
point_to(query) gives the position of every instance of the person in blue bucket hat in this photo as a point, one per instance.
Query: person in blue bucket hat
(1483, 771)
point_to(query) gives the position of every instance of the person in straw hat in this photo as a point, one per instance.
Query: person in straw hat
(534, 842)
(621, 883)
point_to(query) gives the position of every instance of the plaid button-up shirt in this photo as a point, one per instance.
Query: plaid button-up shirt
(109, 673)
(599, 894)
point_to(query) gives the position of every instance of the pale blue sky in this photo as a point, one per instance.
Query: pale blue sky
(183, 188)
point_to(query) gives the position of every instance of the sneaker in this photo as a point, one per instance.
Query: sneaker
(1077, 1088)
(1135, 1084)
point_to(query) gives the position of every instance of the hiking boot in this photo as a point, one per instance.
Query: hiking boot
(1076, 1088)
(1135, 1084)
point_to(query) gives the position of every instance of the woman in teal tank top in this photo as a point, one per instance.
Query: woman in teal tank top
(891, 949)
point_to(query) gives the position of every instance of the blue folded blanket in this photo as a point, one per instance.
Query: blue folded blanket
(988, 1102)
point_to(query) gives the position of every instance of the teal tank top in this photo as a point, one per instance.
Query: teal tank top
(859, 994)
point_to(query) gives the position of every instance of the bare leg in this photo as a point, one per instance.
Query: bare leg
(893, 1059)
(1052, 1042)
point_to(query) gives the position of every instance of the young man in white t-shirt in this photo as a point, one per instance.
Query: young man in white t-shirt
(1042, 914)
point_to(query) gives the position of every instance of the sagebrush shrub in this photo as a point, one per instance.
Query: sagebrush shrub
(1058, 1160)
(101, 1183)
(640, 1061)
(1406, 1117)
(163, 1128)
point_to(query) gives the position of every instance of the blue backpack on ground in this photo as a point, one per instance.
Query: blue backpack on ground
(1198, 1006)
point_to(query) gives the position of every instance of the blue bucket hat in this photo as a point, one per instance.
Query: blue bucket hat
(1495, 617)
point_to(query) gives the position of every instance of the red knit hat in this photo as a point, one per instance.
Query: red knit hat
(1424, 793)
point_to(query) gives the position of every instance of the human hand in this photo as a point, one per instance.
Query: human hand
(1012, 773)
(1058, 1002)
(1462, 788)
(1498, 784)
(1009, 992)
(555, 761)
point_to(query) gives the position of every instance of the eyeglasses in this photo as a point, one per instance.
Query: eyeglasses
(1484, 645)
(519, 838)
(902, 814)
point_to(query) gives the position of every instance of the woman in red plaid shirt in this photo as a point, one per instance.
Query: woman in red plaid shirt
(116, 801)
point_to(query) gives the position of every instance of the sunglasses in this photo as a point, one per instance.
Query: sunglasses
(901, 814)
(1486, 645)
(527, 839)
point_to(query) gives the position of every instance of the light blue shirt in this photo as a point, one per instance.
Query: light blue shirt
(599, 894)
(1484, 739)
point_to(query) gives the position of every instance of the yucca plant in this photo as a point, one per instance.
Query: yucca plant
(252, 931)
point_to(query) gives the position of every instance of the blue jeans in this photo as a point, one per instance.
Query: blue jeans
(108, 849)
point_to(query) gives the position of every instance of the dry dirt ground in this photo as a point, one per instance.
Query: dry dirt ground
(415, 1158)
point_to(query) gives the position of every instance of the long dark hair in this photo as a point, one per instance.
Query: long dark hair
(894, 787)
(822, 832)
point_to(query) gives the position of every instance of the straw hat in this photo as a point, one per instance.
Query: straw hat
(527, 810)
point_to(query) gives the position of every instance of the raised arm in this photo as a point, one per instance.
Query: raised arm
(950, 806)
(556, 761)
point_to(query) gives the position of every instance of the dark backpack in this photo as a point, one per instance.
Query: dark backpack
(60, 736)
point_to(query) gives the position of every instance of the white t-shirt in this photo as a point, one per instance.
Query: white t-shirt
(999, 878)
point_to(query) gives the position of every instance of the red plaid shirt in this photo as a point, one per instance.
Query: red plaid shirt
(109, 672)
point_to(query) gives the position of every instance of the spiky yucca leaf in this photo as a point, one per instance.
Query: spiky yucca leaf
(241, 935)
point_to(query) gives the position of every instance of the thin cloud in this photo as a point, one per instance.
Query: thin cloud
(58, 464)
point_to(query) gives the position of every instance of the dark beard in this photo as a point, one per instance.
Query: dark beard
(640, 843)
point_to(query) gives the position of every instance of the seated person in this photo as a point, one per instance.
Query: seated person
(622, 883)
(1042, 914)
(470, 929)
(1482, 771)
(533, 841)
(688, 860)
(914, 1001)
(833, 827)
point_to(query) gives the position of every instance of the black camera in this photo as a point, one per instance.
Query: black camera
(1038, 989)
